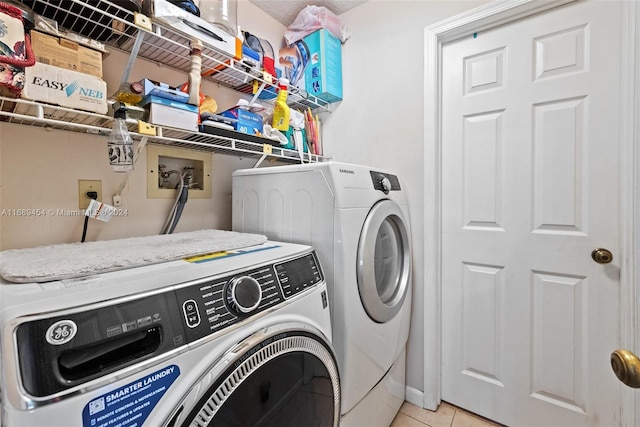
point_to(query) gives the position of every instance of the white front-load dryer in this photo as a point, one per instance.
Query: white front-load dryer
(357, 219)
(239, 338)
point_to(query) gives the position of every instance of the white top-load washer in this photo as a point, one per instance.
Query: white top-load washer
(357, 219)
(236, 338)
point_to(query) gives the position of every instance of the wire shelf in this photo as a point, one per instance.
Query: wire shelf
(36, 114)
(114, 26)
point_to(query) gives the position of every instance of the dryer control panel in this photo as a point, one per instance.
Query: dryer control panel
(385, 182)
(217, 303)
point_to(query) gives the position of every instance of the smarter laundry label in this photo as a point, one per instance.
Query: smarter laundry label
(131, 404)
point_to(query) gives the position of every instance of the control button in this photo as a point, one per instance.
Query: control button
(244, 294)
(385, 183)
(191, 314)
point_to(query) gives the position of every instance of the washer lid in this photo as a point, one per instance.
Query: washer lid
(384, 261)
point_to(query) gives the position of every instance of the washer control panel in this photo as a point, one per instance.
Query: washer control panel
(69, 348)
(213, 304)
(191, 313)
(298, 274)
(244, 294)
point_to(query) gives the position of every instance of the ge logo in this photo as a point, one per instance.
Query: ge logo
(61, 332)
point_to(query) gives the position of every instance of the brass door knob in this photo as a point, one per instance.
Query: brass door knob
(626, 366)
(602, 256)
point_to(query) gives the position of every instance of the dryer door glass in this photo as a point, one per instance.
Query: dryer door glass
(383, 262)
(290, 379)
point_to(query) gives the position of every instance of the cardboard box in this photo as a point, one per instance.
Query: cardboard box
(244, 121)
(162, 90)
(168, 102)
(206, 127)
(314, 64)
(323, 74)
(67, 88)
(63, 53)
(193, 26)
(166, 112)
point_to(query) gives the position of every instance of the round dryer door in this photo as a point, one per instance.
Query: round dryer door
(384, 261)
(275, 379)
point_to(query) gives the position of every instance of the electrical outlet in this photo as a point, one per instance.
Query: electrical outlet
(85, 185)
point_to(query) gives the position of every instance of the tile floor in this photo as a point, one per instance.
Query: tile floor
(446, 416)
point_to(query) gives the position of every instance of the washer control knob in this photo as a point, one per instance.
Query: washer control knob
(385, 183)
(245, 294)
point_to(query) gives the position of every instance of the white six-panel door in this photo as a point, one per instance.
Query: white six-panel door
(530, 157)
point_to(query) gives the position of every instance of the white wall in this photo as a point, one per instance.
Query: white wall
(380, 121)
(40, 169)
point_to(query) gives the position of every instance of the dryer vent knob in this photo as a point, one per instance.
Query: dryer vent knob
(245, 293)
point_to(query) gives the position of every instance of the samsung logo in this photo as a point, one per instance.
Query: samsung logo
(347, 171)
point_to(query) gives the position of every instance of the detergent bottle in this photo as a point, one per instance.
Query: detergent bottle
(281, 112)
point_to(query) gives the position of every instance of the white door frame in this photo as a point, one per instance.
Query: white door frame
(483, 18)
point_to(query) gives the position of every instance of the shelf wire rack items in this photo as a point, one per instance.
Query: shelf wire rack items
(36, 114)
(115, 26)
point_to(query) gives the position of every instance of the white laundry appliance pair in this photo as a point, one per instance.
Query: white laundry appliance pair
(237, 338)
(357, 219)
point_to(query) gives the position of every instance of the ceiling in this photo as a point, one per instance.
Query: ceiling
(285, 11)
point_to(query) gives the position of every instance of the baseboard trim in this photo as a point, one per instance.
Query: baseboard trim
(413, 395)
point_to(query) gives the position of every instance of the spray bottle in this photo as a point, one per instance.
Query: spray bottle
(281, 112)
(120, 143)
